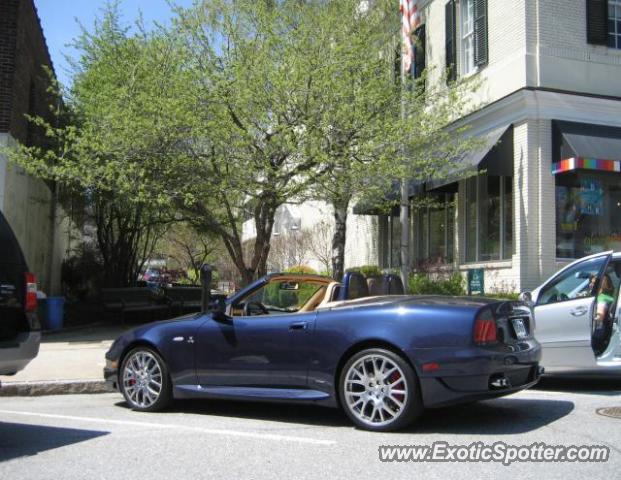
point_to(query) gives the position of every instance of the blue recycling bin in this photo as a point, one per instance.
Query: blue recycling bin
(55, 313)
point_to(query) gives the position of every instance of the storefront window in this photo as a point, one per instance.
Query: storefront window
(395, 235)
(588, 213)
(435, 232)
(508, 218)
(489, 218)
(471, 219)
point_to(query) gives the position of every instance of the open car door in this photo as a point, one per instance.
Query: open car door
(565, 307)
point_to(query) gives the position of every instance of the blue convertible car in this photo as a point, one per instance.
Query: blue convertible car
(359, 344)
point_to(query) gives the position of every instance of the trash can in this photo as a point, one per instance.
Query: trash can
(55, 313)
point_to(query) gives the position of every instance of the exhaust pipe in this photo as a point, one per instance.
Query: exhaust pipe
(499, 382)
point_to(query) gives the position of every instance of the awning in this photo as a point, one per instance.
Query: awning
(377, 207)
(586, 147)
(495, 156)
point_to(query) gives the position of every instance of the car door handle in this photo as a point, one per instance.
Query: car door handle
(578, 311)
(298, 326)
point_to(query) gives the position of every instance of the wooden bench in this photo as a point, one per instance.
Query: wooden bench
(128, 300)
(188, 299)
(184, 299)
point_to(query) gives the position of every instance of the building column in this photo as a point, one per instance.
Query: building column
(534, 203)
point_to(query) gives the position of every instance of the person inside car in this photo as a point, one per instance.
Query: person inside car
(605, 299)
(590, 287)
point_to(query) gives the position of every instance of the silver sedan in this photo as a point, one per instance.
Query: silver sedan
(577, 317)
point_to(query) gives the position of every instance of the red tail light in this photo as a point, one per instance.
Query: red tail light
(31, 292)
(485, 328)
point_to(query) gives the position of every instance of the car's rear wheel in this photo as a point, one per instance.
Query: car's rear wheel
(379, 390)
(144, 380)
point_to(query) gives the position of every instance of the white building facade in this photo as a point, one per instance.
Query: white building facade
(549, 185)
(302, 235)
(550, 104)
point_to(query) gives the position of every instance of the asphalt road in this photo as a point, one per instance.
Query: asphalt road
(96, 436)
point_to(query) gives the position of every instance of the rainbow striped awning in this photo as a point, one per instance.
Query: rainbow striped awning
(582, 163)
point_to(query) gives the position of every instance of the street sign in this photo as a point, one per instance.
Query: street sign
(476, 281)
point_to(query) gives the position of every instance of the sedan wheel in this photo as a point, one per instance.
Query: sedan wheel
(379, 390)
(144, 380)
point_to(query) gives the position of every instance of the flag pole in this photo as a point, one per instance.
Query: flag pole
(404, 211)
(408, 11)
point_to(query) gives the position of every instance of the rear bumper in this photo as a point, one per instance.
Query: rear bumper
(479, 373)
(442, 392)
(16, 354)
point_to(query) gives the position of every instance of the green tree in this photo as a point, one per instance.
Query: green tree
(109, 136)
(256, 105)
(375, 129)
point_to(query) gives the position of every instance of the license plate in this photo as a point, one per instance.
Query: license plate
(519, 327)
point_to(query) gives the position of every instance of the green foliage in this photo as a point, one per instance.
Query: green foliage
(421, 284)
(240, 106)
(302, 269)
(367, 270)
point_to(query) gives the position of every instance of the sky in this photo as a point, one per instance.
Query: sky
(59, 19)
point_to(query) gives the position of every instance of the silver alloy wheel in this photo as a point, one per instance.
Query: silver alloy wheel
(142, 379)
(376, 390)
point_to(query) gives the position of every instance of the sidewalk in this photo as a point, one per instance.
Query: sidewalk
(69, 361)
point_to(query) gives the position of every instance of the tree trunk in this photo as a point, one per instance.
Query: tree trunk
(339, 237)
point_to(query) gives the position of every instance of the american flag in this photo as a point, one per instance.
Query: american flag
(410, 21)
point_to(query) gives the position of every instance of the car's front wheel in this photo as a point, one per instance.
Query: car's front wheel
(144, 380)
(379, 390)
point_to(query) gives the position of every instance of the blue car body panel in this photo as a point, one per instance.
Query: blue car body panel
(297, 356)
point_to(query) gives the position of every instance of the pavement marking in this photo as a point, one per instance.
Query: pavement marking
(165, 426)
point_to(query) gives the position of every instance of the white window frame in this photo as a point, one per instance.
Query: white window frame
(466, 37)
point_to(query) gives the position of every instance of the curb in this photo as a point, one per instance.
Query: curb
(56, 387)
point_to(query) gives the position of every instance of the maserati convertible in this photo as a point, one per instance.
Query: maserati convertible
(360, 344)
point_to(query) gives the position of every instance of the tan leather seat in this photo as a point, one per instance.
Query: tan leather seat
(314, 301)
(332, 291)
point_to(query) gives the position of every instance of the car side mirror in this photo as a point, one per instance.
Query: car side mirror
(217, 307)
(526, 297)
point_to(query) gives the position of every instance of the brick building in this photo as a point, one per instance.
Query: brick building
(551, 111)
(28, 203)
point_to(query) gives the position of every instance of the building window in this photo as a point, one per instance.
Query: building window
(489, 218)
(435, 231)
(614, 23)
(395, 241)
(467, 36)
(588, 213)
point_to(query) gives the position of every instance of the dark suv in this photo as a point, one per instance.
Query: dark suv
(20, 330)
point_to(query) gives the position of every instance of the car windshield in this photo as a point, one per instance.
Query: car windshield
(285, 295)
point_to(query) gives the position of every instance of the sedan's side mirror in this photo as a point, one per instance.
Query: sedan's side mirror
(526, 297)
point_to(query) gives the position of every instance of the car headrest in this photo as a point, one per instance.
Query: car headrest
(392, 285)
(354, 286)
(376, 286)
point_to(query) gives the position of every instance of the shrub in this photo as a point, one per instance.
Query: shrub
(302, 269)
(421, 284)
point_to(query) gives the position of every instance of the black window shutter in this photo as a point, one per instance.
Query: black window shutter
(419, 57)
(451, 37)
(597, 21)
(480, 33)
